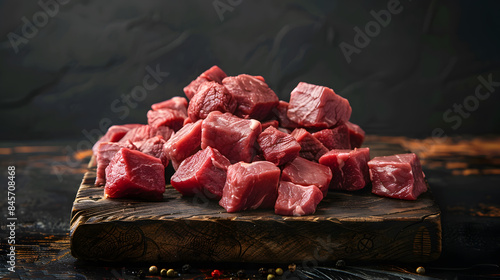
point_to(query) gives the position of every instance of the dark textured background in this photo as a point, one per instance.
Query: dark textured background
(72, 72)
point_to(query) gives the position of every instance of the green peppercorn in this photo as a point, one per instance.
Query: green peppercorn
(240, 273)
(279, 271)
(420, 270)
(153, 270)
(163, 272)
(292, 267)
(270, 277)
(171, 273)
(262, 272)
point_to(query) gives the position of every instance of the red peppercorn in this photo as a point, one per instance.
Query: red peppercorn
(216, 274)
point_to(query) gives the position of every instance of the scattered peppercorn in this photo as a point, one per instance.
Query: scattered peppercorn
(270, 271)
(340, 264)
(171, 273)
(270, 277)
(186, 268)
(262, 272)
(216, 274)
(241, 273)
(292, 267)
(153, 270)
(163, 272)
(420, 270)
(279, 271)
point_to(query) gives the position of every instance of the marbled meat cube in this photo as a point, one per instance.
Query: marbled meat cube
(214, 74)
(233, 137)
(305, 172)
(311, 148)
(297, 200)
(356, 135)
(349, 168)
(184, 143)
(334, 138)
(154, 147)
(166, 117)
(254, 97)
(317, 106)
(278, 147)
(133, 174)
(211, 96)
(250, 186)
(105, 152)
(114, 134)
(175, 103)
(398, 176)
(202, 174)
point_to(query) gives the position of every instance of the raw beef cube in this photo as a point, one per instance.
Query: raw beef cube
(134, 174)
(175, 103)
(154, 147)
(164, 131)
(311, 148)
(297, 200)
(114, 134)
(304, 172)
(349, 168)
(211, 96)
(278, 147)
(166, 117)
(254, 97)
(105, 152)
(356, 135)
(250, 186)
(184, 143)
(233, 137)
(267, 124)
(203, 173)
(398, 176)
(280, 112)
(213, 74)
(144, 132)
(334, 138)
(317, 106)
(137, 134)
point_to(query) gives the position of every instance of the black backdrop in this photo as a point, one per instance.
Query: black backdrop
(69, 69)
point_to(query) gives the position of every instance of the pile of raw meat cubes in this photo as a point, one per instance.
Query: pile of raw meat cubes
(237, 143)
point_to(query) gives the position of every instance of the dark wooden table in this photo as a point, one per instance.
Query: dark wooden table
(463, 172)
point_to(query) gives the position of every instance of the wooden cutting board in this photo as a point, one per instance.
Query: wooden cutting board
(354, 226)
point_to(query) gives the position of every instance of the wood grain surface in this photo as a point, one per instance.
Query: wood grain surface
(357, 226)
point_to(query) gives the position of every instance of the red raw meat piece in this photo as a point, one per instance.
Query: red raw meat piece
(214, 74)
(297, 200)
(349, 168)
(184, 143)
(254, 97)
(278, 147)
(166, 117)
(133, 174)
(304, 172)
(211, 96)
(175, 103)
(154, 147)
(114, 134)
(311, 148)
(233, 137)
(144, 132)
(250, 186)
(203, 173)
(398, 176)
(280, 112)
(334, 138)
(105, 152)
(317, 106)
(356, 135)
(267, 124)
